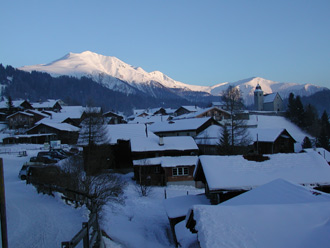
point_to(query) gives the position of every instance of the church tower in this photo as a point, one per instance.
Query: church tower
(258, 98)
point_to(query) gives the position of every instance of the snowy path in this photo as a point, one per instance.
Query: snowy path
(36, 220)
(142, 221)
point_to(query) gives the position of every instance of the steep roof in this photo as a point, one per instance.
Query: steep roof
(127, 132)
(277, 214)
(179, 125)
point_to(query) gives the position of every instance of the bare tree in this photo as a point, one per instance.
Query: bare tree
(237, 126)
(143, 186)
(100, 189)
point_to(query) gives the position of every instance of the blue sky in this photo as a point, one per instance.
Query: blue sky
(195, 42)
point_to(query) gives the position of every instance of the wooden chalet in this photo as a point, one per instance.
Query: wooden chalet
(271, 141)
(67, 133)
(227, 176)
(20, 120)
(113, 118)
(186, 110)
(49, 105)
(165, 170)
(183, 127)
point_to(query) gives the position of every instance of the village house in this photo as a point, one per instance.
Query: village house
(271, 141)
(277, 214)
(165, 170)
(113, 118)
(50, 104)
(185, 110)
(18, 105)
(20, 120)
(66, 133)
(185, 127)
(214, 112)
(227, 176)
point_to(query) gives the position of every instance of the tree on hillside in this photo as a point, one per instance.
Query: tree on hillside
(237, 127)
(323, 140)
(224, 147)
(94, 137)
(10, 106)
(311, 120)
(306, 143)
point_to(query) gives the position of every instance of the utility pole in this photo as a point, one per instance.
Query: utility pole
(3, 208)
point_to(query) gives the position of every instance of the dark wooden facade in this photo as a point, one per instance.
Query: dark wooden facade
(66, 137)
(284, 143)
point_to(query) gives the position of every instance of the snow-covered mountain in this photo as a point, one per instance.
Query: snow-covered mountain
(119, 76)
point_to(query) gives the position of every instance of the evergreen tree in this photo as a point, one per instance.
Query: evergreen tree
(299, 112)
(324, 136)
(306, 143)
(224, 147)
(10, 106)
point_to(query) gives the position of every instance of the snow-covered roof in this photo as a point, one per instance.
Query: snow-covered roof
(235, 172)
(178, 125)
(270, 97)
(199, 112)
(16, 103)
(60, 126)
(275, 122)
(265, 134)
(178, 206)
(20, 112)
(209, 136)
(73, 112)
(180, 143)
(324, 153)
(149, 119)
(190, 108)
(127, 132)
(50, 103)
(278, 214)
(278, 191)
(168, 161)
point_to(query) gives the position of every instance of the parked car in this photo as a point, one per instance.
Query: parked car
(44, 160)
(51, 154)
(23, 172)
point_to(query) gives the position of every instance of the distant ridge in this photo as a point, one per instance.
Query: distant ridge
(116, 75)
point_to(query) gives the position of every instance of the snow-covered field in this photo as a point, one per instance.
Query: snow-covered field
(142, 221)
(36, 220)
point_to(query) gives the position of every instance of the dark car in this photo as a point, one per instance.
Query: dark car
(43, 159)
(52, 154)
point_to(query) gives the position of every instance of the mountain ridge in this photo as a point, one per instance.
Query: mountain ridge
(106, 69)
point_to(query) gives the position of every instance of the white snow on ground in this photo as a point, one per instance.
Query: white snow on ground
(142, 221)
(35, 220)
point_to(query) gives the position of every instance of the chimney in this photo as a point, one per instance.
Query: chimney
(161, 140)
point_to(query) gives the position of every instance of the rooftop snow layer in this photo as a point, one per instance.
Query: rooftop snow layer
(294, 218)
(181, 143)
(235, 172)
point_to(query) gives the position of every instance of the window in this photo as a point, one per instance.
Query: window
(180, 171)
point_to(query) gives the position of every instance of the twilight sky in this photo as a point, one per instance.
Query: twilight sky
(192, 41)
